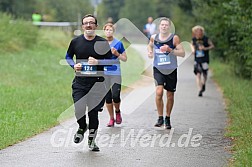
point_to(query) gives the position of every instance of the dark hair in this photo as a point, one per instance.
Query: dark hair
(89, 15)
(166, 19)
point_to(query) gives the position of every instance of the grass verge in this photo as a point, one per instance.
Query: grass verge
(238, 95)
(34, 90)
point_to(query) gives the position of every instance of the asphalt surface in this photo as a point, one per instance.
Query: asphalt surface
(196, 138)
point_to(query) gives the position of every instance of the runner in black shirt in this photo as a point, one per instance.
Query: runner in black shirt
(88, 87)
(202, 45)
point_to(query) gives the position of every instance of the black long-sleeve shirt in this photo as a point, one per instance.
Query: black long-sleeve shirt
(82, 49)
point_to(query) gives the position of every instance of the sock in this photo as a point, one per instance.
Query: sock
(118, 111)
(161, 117)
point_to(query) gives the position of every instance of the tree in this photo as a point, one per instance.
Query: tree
(60, 10)
(69, 10)
(109, 8)
(229, 25)
(138, 11)
(185, 6)
(18, 9)
(180, 13)
(164, 8)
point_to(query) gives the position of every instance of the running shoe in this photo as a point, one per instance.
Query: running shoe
(118, 117)
(79, 135)
(92, 146)
(200, 93)
(167, 123)
(160, 122)
(111, 122)
(203, 88)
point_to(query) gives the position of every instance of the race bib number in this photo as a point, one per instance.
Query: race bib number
(88, 69)
(200, 53)
(162, 58)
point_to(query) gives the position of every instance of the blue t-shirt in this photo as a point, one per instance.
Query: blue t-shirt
(115, 69)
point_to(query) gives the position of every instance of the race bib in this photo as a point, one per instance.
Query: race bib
(200, 53)
(162, 58)
(88, 69)
(205, 66)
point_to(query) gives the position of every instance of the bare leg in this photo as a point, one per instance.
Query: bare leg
(110, 110)
(159, 100)
(198, 81)
(117, 106)
(204, 79)
(170, 102)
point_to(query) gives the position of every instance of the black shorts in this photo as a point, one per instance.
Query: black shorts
(168, 81)
(200, 68)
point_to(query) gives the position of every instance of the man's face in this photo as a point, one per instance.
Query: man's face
(89, 26)
(198, 33)
(164, 27)
(150, 20)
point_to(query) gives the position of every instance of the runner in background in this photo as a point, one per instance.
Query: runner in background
(113, 99)
(202, 44)
(149, 28)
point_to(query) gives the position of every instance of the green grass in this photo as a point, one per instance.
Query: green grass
(132, 69)
(35, 89)
(16, 34)
(238, 95)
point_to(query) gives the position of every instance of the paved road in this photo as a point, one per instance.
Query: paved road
(195, 140)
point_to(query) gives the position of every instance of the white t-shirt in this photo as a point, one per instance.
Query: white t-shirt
(151, 27)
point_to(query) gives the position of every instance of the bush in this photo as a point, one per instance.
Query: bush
(229, 25)
(240, 19)
(16, 34)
